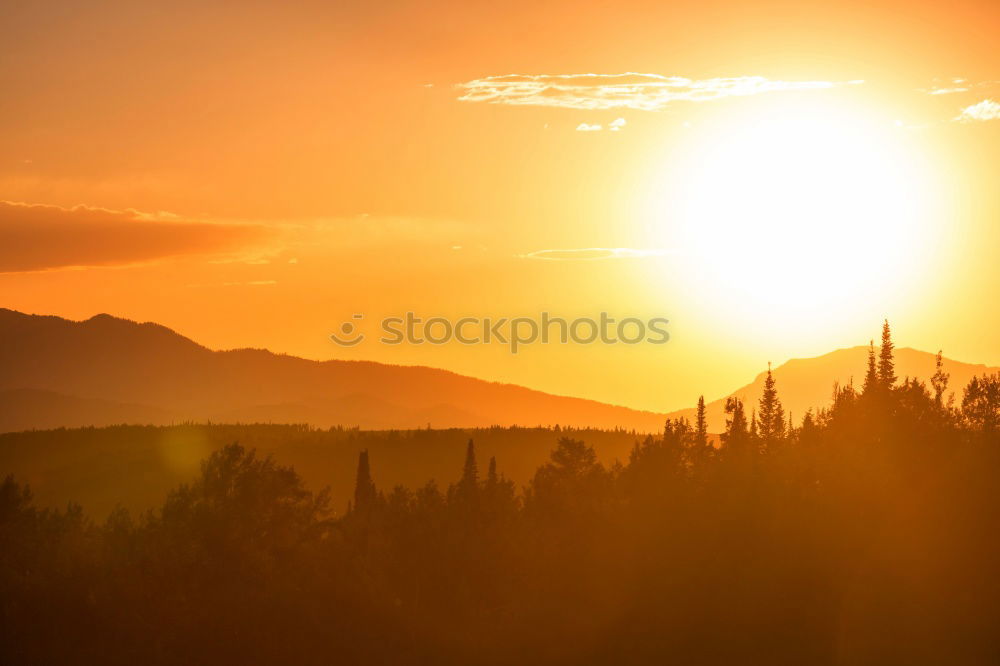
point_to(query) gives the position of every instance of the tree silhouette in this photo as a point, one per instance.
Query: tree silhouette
(772, 414)
(871, 375)
(737, 435)
(470, 471)
(701, 424)
(981, 403)
(869, 536)
(886, 364)
(365, 493)
(939, 380)
(491, 474)
(466, 492)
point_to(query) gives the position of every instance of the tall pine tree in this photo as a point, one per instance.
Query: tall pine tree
(364, 487)
(886, 364)
(871, 376)
(772, 414)
(470, 471)
(491, 475)
(701, 424)
(466, 491)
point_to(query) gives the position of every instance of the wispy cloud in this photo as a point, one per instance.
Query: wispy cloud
(593, 253)
(985, 110)
(947, 91)
(615, 126)
(631, 90)
(251, 283)
(36, 237)
(948, 87)
(956, 86)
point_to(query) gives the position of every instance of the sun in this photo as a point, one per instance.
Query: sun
(795, 207)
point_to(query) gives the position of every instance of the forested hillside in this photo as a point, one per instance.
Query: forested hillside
(867, 533)
(135, 466)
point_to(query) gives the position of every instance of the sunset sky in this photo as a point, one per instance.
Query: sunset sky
(773, 178)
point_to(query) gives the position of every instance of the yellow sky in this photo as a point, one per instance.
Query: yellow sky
(775, 176)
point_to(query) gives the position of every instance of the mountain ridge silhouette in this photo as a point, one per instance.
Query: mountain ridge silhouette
(119, 361)
(806, 384)
(107, 370)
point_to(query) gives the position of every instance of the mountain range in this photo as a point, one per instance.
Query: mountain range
(106, 370)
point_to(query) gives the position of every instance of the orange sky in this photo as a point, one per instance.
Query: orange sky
(252, 175)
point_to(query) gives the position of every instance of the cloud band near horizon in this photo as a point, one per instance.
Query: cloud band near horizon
(630, 90)
(35, 237)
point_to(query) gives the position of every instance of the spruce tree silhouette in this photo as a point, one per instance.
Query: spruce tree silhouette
(466, 491)
(871, 375)
(491, 476)
(886, 364)
(772, 414)
(869, 538)
(470, 471)
(365, 493)
(701, 424)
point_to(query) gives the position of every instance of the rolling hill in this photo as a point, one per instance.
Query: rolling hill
(105, 370)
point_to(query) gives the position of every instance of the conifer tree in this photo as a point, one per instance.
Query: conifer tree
(701, 424)
(772, 414)
(364, 487)
(737, 434)
(491, 475)
(808, 430)
(470, 471)
(871, 376)
(886, 364)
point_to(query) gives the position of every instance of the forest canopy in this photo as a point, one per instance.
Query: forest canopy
(863, 533)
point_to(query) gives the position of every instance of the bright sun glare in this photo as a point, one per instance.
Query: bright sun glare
(796, 207)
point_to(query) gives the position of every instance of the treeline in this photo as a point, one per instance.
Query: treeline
(867, 533)
(135, 466)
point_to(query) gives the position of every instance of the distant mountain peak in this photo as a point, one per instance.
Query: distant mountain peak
(807, 383)
(120, 361)
(124, 362)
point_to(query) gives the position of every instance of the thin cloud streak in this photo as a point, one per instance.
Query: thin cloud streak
(947, 91)
(593, 253)
(958, 86)
(631, 90)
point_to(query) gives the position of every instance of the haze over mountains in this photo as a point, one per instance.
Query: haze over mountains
(807, 383)
(105, 370)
